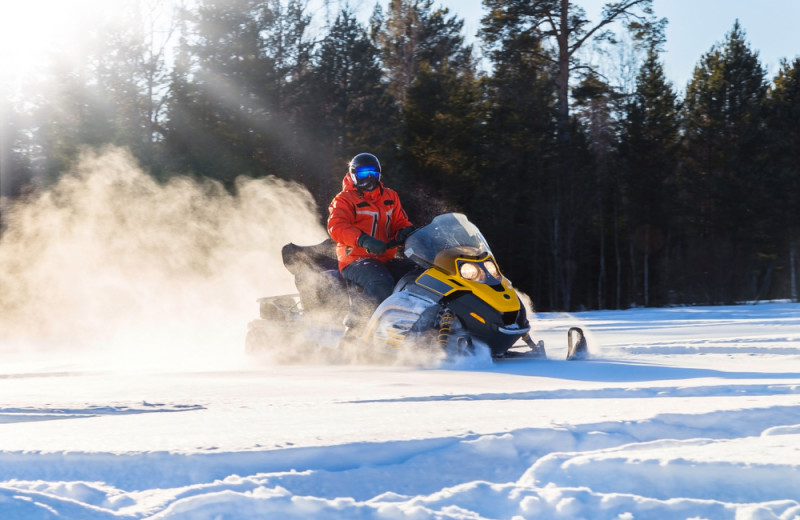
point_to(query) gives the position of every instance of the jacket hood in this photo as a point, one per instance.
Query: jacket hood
(348, 185)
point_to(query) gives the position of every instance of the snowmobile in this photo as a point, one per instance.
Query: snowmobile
(454, 301)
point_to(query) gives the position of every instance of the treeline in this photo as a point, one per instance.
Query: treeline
(594, 191)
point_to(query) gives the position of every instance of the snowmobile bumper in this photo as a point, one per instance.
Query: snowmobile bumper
(514, 330)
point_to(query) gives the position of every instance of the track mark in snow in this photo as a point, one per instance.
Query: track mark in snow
(715, 347)
(610, 393)
(599, 470)
(43, 375)
(694, 468)
(16, 415)
(163, 469)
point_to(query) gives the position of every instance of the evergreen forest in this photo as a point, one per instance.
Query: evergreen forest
(598, 183)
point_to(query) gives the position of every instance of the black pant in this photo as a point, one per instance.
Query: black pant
(376, 279)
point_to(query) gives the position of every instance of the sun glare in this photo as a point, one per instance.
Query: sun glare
(32, 31)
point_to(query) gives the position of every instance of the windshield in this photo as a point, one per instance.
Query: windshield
(448, 231)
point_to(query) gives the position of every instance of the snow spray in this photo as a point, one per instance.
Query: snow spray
(108, 258)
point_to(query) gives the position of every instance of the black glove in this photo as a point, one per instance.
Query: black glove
(372, 244)
(402, 235)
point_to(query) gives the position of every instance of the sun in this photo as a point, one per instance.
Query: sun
(32, 31)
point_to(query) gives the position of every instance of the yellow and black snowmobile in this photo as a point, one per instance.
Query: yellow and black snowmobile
(454, 302)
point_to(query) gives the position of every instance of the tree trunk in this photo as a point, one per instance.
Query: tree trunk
(557, 263)
(646, 277)
(633, 296)
(563, 74)
(793, 268)
(646, 266)
(618, 258)
(5, 147)
(602, 276)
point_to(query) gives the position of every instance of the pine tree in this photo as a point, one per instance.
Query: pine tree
(649, 154)
(550, 34)
(597, 112)
(347, 109)
(724, 138)
(412, 36)
(784, 167)
(218, 91)
(431, 76)
(567, 25)
(441, 134)
(132, 74)
(74, 115)
(518, 174)
(16, 154)
(231, 112)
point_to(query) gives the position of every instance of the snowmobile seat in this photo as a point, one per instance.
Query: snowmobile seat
(316, 274)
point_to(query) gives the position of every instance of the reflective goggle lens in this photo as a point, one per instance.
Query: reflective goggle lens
(365, 172)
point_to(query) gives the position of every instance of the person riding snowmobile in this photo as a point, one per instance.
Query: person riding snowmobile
(363, 218)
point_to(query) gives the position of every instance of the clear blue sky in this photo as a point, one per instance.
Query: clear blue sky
(29, 26)
(772, 28)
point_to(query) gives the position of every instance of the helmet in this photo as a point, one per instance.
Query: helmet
(365, 171)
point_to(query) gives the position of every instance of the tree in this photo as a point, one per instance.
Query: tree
(549, 34)
(441, 132)
(413, 36)
(231, 106)
(596, 104)
(16, 154)
(111, 93)
(648, 150)
(74, 113)
(431, 76)
(725, 173)
(559, 176)
(348, 108)
(132, 74)
(784, 151)
(567, 25)
(517, 171)
(217, 91)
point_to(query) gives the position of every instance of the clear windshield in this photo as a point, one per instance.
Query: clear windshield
(448, 231)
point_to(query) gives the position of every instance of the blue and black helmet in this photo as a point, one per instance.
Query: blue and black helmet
(365, 171)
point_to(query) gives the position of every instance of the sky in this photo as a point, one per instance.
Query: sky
(695, 26)
(28, 28)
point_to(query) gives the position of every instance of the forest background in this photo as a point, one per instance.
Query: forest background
(598, 186)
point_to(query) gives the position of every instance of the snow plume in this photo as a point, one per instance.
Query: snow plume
(108, 257)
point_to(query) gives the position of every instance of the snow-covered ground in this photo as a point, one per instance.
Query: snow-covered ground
(125, 392)
(681, 413)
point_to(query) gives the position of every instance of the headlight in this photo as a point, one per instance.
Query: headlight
(470, 271)
(491, 268)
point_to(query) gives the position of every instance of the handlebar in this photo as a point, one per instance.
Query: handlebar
(397, 243)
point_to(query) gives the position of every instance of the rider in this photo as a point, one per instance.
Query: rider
(363, 218)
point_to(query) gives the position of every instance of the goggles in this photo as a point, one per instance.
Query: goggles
(365, 172)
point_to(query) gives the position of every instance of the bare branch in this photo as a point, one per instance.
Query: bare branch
(610, 17)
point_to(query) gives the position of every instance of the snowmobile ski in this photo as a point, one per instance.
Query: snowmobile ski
(576, 344)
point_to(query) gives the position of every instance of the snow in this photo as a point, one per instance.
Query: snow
(125, 392)
(683, 413)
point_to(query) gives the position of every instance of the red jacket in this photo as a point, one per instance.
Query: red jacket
(353, 213)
